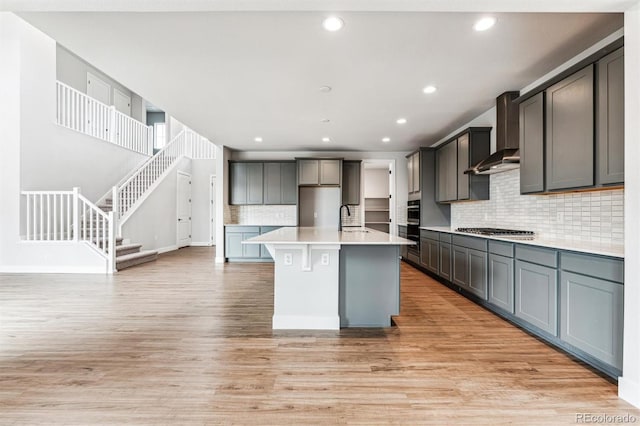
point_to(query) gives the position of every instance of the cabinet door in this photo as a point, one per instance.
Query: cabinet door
(288, 183)
(424, 252)
(264, 253)
(441, 182)
(460, 268)
(610, 119)
(591, 316)
(434, 256)
(254, 183)
(444, 269)
(536, 296)
(351, 182)
(308, 172)
(451, 171)
(477, 261)
(238, 182)
(272, 183)
(532, 144)
(402, 233)
(501, 282)
(330, 172)
(462, 165)
(416, 171)
(233, 244)
(570, 141)
(250, 250)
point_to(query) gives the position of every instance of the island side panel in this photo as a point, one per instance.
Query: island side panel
(306, 298)
(369, 285)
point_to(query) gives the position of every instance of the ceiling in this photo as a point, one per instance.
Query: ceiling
(235, 76)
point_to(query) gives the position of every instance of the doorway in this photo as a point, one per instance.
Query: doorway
(212, 210)
(379, 195)
(184, 209)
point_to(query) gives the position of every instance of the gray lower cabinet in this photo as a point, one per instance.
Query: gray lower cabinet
(532, 144)
(402, 232)
(592, 316)
(429, 254)
(570, 132)
(246, 183)
(501, 282)
(234, 249)
(459, 267)
(444, 269)
(477, 262)
(280, 183)
(264, 253)
(351, 182)
(610, 119)
(536, 295)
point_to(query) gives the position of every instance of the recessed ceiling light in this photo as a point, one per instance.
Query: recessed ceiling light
(325, 89)
(429, 89)
(401, 120)
(333, 23)
(386, 140)
(485, 23)
(325, 139)
(258, 139)
(325, 120)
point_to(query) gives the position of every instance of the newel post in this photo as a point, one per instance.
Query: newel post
(76, 215)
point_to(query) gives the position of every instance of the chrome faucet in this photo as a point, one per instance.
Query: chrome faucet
(340, 216)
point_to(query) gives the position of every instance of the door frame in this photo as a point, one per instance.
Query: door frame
(212, 210)
(178, 208)
(391, 165)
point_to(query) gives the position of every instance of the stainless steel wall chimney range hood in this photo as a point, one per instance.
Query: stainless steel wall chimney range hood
(507, 155)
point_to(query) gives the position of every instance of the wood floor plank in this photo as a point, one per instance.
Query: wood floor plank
(187, 341)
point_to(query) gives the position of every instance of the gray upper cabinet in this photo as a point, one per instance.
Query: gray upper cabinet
(532, 144)
(456, 156)
(536, 295)
(569, 132)
(319, 172)
(463, 164)
(610, 119)
(351, 182)
(280, 183)
(447, 170)
(413, 172)
(246, 183)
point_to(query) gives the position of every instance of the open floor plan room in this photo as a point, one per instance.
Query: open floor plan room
(186, 341)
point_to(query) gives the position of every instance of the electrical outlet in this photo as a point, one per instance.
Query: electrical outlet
(288, 259)
(324, 259)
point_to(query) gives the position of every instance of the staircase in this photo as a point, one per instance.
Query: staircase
(128, 255)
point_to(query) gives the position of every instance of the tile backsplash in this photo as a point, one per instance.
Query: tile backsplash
(285, 215)
(356, 216)
(589, 216)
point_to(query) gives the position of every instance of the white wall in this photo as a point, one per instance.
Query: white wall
(629, 383)
(201, 171)
(27, 92)
(72, 70)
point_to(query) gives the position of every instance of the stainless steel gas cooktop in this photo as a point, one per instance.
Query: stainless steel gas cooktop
(500, 232)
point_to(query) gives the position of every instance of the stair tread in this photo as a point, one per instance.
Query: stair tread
(125, 247)
(144, 253)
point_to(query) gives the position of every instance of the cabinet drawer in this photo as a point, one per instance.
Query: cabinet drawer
(501, 248)
(234, 229)
(433, 235)
(541, 256)
(445, 237)
(595, 266)
(470, 242)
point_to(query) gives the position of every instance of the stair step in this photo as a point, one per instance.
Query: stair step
(105, 207)
(129, 260)
(99, 242)
(123, 249)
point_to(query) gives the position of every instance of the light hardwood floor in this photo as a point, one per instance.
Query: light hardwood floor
(185, 341)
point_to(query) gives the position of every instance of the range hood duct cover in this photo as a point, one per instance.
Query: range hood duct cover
(507, 155)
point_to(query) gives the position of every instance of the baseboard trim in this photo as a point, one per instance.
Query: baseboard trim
(304, 322)
(629, 391)
(202, 244)
(53, 270)
(167, 249)
(219, 259)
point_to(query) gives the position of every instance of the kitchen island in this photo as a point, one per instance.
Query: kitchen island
(327, 279)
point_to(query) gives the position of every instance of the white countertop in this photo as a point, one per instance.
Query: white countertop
(603, 249)
(312, 235)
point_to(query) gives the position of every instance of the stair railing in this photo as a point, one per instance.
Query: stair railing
(187, 143)
(84, 114)
(67, 216)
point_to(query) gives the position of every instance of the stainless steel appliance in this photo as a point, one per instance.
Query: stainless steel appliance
(515, 234)
(413, 227)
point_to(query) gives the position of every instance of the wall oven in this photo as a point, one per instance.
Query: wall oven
(413, 226)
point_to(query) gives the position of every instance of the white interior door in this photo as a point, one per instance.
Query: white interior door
(98, 89)
(212, 211)
(122, 102)
(184, 209)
